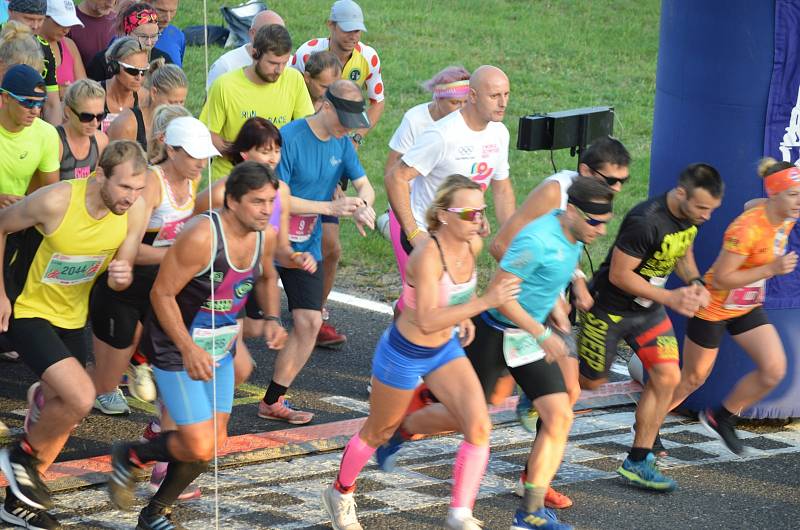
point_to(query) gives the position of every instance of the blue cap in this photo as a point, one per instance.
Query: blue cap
(22, 80)
(347, 15)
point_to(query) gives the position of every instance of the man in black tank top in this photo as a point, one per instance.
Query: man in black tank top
(190, 341)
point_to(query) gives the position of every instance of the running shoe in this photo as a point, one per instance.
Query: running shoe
(21, 471)
(35, 405)
(341, 507)
(386, 455)
(16, 512)
(159, 520)
(157, 477)
(329, 337)
(723, 429)
(526, 414)
(541, 519)
(121, 480)
(151, 431)
(140, 382)
(646, 474)
(470, 523)
(552, 499)
(282, 410)
(112, 403)
(658, 447)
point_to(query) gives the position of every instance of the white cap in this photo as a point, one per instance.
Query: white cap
(347, 15)
(63, 13)
(191, 135)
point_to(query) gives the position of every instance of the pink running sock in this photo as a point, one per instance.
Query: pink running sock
(356, 455)
(471, 462)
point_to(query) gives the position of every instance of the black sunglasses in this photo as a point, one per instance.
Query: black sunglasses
(591, 221)
(610, 180)
(133, 70)
(86, 117)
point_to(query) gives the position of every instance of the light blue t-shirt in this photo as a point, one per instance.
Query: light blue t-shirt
(544, 259)
(312, 168)
(172, 42)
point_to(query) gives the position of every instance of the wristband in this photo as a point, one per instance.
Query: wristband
(295, 254)
(578, 274)
(696, 281)
(544, 335)
(414, 233)
(273, 318)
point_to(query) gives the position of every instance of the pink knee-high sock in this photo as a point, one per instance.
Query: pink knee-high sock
(471, 461)
(356, 455)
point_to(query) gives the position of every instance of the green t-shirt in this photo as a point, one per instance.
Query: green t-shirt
(233, 99)
(22, 153)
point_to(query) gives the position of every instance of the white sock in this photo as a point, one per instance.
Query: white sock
(459, 514)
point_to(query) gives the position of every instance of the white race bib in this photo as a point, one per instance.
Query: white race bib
(655, 281)
(172, 225)
(217, 342)
(746, 296)
(520, 347)
(301, 226)
(63, 269)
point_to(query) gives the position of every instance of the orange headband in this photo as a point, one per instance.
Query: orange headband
(782, 181)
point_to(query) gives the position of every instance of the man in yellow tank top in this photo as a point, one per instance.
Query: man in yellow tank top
(74, 230)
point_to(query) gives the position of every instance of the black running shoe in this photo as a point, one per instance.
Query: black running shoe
(16, 512)
(157, 520)
(21, 470)
(724, 429)
(121, 482)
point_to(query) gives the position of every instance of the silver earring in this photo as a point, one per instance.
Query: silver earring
(444, 222)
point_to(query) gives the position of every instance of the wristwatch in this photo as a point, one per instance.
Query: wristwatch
(357, 138)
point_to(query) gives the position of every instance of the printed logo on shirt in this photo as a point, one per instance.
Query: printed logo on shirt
(465, 152)
(490, 150)
(82, 172)
(481, 173)
(335, 161)
(355, 74)
(23, 155)
(243, 287)
(216, 276)
(673, 248)
(247, 114)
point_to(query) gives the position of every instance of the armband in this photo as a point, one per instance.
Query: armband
(544, 335)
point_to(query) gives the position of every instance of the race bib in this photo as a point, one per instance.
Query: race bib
(520, 347)
(170, 229)
(217, 342)
(63, 269)
(655, 281)
(745, 297)
(300, 227)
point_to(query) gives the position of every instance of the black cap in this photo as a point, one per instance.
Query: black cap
(30, 7)
(22, 80)
(351, 113)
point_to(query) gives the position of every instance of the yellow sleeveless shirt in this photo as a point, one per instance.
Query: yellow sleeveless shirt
(67, 262)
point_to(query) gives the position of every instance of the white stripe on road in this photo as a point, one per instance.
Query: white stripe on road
(356, 301)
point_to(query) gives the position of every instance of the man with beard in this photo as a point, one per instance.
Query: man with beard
(74, 231)
(266, 88)
(654, 239)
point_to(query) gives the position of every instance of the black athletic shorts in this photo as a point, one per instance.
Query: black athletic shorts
(537, 379)
(114, 314)
(648, 333)
(708, 333)
(252, 309)
(40, 344)
(303, 289)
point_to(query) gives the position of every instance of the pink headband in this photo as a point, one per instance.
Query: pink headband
(454, 90)
(139, 18)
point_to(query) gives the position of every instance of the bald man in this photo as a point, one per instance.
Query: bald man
(472, 142)
(243, 55)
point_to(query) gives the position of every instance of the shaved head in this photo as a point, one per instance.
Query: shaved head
(486, 75)
(346, 89)
(266, 18)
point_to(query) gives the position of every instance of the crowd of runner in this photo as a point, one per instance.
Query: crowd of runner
(108, 225)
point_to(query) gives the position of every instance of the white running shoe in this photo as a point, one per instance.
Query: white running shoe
(140, 382)
(341, 507)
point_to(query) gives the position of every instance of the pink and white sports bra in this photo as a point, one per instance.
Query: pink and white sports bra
(450, 292)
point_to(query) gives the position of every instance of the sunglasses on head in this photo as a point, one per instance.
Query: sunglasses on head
(132, 70)
(28, 103)
(591, 221)
(86, 117)
(468, 214)
(611, 180)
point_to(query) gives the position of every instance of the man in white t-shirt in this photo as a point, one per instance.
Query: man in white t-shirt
(472, 142)
(243, 55)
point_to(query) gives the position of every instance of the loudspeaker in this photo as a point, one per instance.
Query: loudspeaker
(562, 129)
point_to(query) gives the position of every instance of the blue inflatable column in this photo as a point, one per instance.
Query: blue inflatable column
(714, 67)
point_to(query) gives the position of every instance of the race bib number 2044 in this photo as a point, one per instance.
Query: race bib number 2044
(63, 269)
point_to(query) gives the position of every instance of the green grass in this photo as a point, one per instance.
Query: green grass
(558, 54)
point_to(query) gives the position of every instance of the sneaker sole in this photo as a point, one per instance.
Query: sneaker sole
(5, 467)
(634, 479)
(330, 343)
(16, 521)
(329, 511)
(109, 412)
(293, 422)
(120, 495)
